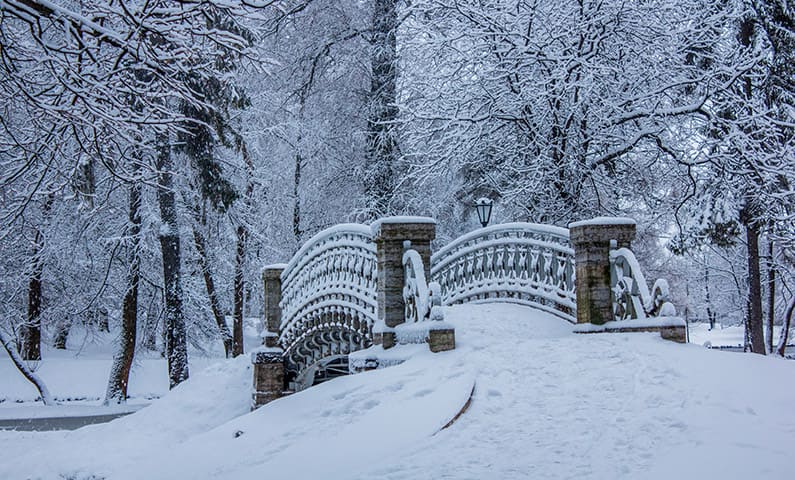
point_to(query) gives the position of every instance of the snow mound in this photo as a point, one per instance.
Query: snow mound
(209, 398)
(332, 430)
(546, 404)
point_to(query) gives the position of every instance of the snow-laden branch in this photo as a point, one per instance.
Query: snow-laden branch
(46, 398)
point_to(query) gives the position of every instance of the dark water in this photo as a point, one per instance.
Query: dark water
(58, 423)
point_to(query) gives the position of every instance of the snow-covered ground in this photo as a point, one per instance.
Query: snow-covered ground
(723, 335)
(546, 404)
(78, 376)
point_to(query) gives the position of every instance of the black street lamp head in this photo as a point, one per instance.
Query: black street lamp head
(483, 208)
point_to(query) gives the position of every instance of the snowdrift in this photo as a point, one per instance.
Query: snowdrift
(547, 404)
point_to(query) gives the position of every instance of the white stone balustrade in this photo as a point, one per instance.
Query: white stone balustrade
(329, 296)
(523, 263)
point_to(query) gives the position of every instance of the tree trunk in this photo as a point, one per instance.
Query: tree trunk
(240, 257)
(710, 314)
(212, 295)
(31, 329)
(151, 323)
(176, 341)
(382, 150)
(122, 361)
(237, 344)
(755, 324)
(30, 347)
(297, 198)
(46, 398)
(771, 296)
(62, 334)
(786, 324)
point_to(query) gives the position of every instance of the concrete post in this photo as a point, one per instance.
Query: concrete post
(268, 360)
(591, 242)
(390, 234)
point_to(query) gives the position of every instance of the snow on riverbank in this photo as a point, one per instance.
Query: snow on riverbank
(723, 335)
(210, 398)
(78, 376)
(547, 404)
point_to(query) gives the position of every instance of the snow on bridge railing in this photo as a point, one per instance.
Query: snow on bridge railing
(524, 263)
(416, 293)
(422, 300)
(631, 296)
(329, 295)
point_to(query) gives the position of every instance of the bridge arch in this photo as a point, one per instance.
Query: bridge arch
(524, 263)
(328, 300)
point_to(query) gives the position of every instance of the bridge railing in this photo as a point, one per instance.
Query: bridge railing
(328, 296)
(631, 296)
(424, 317)
(515, 262)
(416, 294)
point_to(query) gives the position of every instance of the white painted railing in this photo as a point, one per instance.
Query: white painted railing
(523, 263)
(631, 296)
(422, 301)
(416, 294)
(329, 295)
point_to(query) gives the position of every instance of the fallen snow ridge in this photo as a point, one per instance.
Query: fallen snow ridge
(547, 404)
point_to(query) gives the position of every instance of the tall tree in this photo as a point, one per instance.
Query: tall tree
(30, 341)
(119, 378)
(382, 154)
(176, 335)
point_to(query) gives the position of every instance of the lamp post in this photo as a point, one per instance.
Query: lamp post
(483, 208)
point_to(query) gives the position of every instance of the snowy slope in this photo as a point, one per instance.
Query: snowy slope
(78, 376)
(547, 404)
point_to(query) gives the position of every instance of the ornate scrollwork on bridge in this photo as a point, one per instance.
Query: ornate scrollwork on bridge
(514, 262)
(328, 298)
(416, 294)
(631, 296)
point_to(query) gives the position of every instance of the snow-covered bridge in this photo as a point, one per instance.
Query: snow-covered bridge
(366, 288)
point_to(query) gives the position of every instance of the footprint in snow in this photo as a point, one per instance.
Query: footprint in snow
(396, 387)
(341, 395)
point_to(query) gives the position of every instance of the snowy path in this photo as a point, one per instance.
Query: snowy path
(551, 405)
(547, 404)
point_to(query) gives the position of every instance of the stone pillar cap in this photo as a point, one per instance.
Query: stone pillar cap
(267, 355)
(275, 266)
(376, 225)
(603, 221)
(274, 270)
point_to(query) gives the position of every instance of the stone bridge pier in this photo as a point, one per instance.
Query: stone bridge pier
(392, 236)
(268, 360)
(591, 240)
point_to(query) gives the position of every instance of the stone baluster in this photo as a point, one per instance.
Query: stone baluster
(591, 241)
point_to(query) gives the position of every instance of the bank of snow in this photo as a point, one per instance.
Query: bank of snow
(78, 376)
(547, 404)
